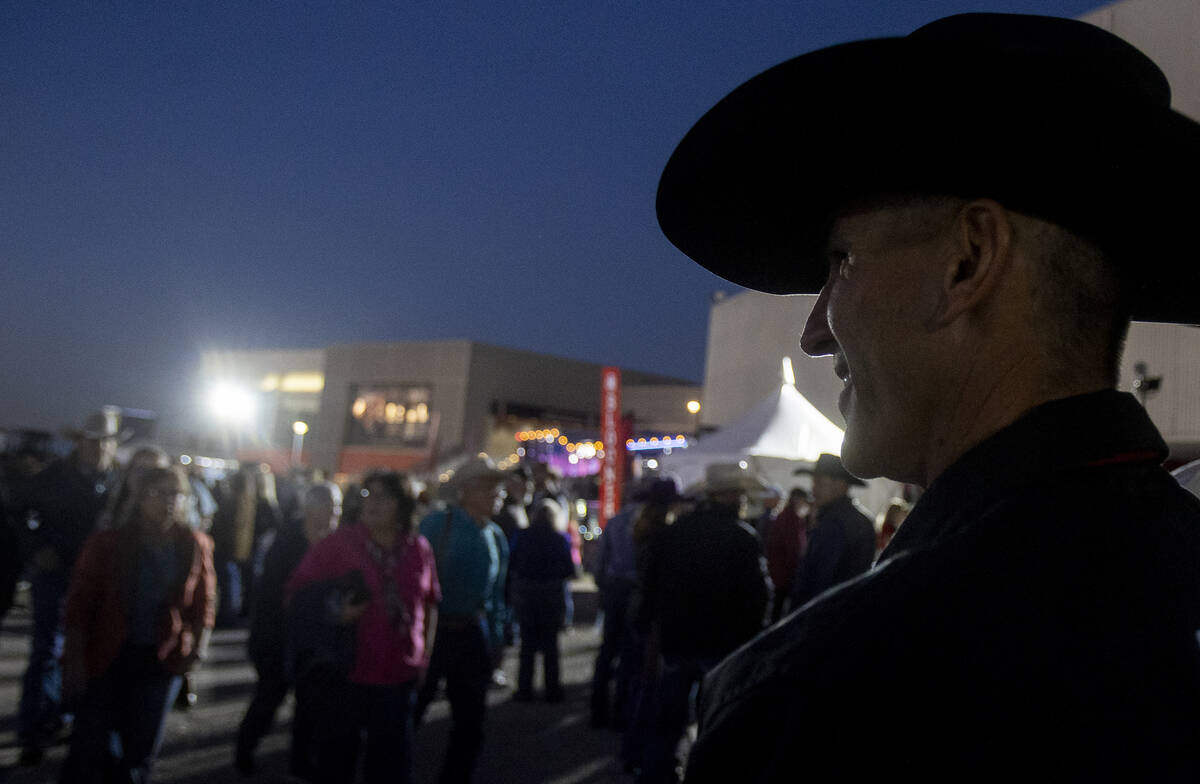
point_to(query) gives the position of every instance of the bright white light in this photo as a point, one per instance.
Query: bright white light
(585, 450)
(185, 459)
(652, 463)
(231, 403)
(573, 459)
(789, 375)
(693, 406)
(299, 428)
(742, 464)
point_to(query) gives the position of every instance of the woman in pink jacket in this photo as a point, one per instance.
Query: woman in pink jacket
(379, 577)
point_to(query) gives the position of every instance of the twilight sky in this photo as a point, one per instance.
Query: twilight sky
(191, 175)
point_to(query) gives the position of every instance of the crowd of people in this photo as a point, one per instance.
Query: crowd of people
(981, 206)
(362, 602)
(365, 602)
(685, 581)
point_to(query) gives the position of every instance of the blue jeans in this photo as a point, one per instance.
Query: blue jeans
(119, 726)
(230, 593)
(616, 646)
(41, 688)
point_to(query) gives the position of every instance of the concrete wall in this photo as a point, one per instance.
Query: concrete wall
(662, 408)
(1172, 352)
(749, 334)
(1167, 31)
(441, 365)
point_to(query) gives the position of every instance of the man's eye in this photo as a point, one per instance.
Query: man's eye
(839, 263)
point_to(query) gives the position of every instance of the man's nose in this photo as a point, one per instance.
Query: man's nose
(817, 340)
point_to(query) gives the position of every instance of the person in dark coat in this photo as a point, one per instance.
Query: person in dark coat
(321, 508)
(138, 614)
(540, 564)
(841, 542)
(616, 575)
(983, 206)
(63, 504)
(707, 592)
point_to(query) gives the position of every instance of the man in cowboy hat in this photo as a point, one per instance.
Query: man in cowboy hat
(841, 543)
(62, 503)
(983, 205)
(707, 592)
(472, 564)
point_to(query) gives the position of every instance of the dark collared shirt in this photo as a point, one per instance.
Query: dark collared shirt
(1035, 617)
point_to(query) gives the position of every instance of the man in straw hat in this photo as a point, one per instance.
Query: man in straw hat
(982, 205)
(706, 592)
(472, 562)
(63, 504)
(841, 544)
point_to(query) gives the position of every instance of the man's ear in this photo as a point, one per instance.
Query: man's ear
(980, 252)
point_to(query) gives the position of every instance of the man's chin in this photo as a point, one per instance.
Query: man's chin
(859, 459)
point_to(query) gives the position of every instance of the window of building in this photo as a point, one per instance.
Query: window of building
(388, 415)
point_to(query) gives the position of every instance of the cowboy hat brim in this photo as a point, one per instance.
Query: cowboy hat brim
(1051, 117)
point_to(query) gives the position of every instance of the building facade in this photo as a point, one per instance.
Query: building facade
(417, 405)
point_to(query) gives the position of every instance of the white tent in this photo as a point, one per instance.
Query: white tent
(779, 434)
(783, 426)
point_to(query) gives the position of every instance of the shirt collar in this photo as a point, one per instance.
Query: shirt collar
(1098, 428)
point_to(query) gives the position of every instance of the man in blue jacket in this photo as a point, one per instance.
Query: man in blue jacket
(472, 563)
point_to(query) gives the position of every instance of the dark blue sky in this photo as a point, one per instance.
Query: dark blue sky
(182, 176)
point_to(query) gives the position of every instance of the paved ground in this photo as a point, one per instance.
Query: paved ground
(526, 742)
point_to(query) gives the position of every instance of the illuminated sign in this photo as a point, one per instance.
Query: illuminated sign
(612, 468)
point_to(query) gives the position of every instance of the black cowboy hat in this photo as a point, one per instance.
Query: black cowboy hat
(1052, 117)
(831, 466)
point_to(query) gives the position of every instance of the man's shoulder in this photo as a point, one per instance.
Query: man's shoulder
(749, 696)
(435, 520)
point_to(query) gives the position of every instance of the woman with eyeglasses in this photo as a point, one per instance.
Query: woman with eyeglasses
(139, 609)
(378, 581)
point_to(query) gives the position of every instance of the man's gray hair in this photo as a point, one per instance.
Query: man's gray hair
(323, 493)
(1079, 298)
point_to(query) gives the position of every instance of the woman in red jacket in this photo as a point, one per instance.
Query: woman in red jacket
(139, 608)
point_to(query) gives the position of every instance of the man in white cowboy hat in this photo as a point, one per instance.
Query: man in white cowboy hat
(707, 592)
(841, 542)
(62, 504)
(472, 562)
(982, 205)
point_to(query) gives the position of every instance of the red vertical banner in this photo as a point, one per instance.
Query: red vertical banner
(612, 466)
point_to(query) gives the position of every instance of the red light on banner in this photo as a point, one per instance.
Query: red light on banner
(612, 468)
